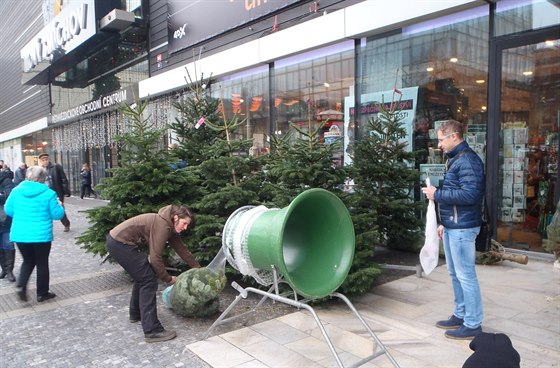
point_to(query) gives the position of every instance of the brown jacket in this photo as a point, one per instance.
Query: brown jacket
(154, 230)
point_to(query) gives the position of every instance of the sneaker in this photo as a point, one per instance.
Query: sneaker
(160, 336)
(47, 296)
(66, 228)
(463, 333)
(451, 323)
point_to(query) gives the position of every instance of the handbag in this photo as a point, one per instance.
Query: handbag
(484, 238)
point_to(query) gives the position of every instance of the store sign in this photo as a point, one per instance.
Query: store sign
(103, 102)
(190, 22)
(69, 29)
(435, 172)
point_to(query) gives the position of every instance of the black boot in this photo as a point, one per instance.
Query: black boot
(22, 293)
(9, 259)
(2, 260)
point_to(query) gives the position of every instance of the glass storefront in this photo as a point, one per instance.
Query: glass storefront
(514, 16)
(439, 71)
(247, 96)
(529, 121)
(311, 89)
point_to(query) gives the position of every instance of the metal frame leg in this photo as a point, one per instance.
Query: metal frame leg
(243, 293)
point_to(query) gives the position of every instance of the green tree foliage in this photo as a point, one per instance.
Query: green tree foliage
(385, 180)
(228, 175)
(196, 104)
(143, 182)
(301, 160)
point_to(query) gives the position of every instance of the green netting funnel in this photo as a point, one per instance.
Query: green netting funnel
(310, 242)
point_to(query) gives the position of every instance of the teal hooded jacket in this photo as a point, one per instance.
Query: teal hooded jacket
(33, 207)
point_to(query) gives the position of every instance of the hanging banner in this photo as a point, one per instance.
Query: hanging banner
(190, 22)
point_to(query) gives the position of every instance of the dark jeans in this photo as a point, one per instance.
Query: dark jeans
(86, 188)
(5, 242)
(35, 254)
(143, 300)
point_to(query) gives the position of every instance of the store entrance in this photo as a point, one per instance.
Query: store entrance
(528, 143)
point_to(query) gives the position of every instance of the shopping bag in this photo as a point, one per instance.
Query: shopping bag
(429, 254)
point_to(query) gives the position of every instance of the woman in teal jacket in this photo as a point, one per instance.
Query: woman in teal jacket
(33, 206)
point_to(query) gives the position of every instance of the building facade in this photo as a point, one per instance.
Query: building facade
(492, 65)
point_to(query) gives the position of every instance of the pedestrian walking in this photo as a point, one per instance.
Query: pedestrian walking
(7, 249)
(57, 181)
(459, 199)
(33, 206)
(19, 175)
(85, 173)
(152, 231)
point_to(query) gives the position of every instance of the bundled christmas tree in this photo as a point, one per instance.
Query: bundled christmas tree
(144, 181)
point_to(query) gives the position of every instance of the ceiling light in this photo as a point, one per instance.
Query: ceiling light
(527, 73)
(483, 108)
(429, 69)
(326, 85)
(480, 81)
(454, 60)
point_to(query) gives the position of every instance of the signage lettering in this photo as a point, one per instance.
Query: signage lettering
(56, 35)
(91, 106)
(252, 4)
(180, 32)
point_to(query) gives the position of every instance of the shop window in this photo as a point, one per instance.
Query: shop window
(439, 71)
(313, 87)
(246, 95)
(513, 16)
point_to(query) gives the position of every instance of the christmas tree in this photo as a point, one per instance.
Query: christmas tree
(385, 179)
(144, 181)
(229, 177)
(301, 160)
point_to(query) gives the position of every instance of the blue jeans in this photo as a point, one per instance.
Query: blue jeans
(460, 256)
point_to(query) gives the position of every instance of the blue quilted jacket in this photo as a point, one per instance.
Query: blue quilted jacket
(460, 197)
(32, 207)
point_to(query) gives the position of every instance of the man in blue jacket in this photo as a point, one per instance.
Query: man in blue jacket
(459, 201)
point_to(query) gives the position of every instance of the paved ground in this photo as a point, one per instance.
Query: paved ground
(87, 325)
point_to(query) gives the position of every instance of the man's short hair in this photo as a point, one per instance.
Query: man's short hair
(452, 126)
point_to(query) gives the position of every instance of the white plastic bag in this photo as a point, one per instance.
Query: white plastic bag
(429, 254)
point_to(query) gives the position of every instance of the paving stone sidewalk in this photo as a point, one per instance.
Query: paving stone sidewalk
(87, 325)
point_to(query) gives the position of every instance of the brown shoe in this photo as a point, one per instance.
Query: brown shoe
(66, 228)
(160, 336)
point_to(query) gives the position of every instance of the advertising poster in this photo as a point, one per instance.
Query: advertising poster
(408, 100)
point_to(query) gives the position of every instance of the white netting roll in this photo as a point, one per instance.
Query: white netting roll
(234, 242)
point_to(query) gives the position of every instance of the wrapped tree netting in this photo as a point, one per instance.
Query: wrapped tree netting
(195, 294)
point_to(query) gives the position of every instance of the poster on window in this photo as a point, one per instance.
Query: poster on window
(369, 106)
